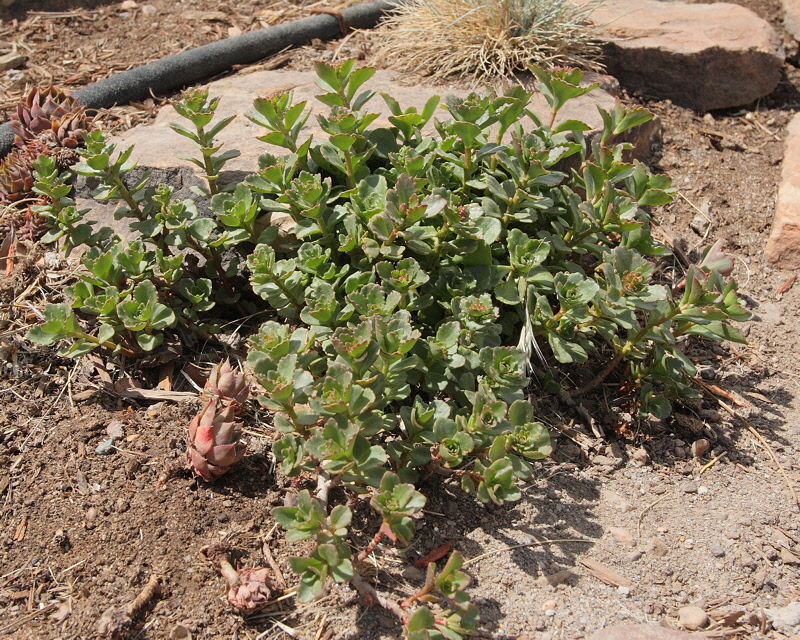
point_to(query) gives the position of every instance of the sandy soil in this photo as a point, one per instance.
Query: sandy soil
(83, 532)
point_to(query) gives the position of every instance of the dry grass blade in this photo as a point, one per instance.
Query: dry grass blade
(489, 38)
(10, 628)
(644, 511)
(710, 464)
(786, 285)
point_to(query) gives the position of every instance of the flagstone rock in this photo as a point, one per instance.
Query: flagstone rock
(157, 148)
(791, 17)
(701, 56)
(641, 632)
(783, 246)
(157, 145)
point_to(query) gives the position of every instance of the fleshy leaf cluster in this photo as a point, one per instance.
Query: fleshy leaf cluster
(416, 273)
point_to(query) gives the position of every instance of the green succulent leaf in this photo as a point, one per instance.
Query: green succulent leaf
(413, 271)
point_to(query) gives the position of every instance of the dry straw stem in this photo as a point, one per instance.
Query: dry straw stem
(489, 38)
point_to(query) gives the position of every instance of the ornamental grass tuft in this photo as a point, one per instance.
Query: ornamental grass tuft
(489, 38)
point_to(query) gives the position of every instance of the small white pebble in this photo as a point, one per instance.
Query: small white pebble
(623, 591)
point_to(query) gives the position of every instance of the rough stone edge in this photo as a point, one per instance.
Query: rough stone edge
(787, 208)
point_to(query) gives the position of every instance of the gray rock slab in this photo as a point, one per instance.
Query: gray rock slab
(783, 245)
(641, 632)
(701, 56)
(157, 145)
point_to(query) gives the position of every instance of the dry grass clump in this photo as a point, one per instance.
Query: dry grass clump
(489, 38)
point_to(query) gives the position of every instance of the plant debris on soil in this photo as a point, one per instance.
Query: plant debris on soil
(694, 510)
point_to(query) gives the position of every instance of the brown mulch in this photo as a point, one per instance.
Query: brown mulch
(73, 44)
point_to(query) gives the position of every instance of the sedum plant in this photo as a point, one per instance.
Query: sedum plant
(415, 281)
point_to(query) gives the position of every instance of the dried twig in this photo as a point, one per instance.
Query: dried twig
(279, 579)
(115, 622)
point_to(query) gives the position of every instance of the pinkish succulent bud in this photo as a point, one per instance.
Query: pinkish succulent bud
(214, 445)
(249, 589)
(252, 591)
(225, 383)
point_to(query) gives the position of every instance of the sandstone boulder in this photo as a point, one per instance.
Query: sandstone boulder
(157, 145)
(783, 246)
(791, 17)
(701, 56)
(641, 632)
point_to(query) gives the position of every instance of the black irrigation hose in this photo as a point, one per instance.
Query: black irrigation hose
(188, 67)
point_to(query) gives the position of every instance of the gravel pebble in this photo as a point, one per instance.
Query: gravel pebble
(692, 618)
(716, 550)
(700, 447)
(105, 448)
(116, 429)
(412, 573)
(785, 618)
(657, 548)
(622, 536)
(699, 224)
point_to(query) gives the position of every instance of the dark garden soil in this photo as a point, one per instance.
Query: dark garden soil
(81, 532)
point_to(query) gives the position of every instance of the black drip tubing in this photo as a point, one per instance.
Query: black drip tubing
(189, 67)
